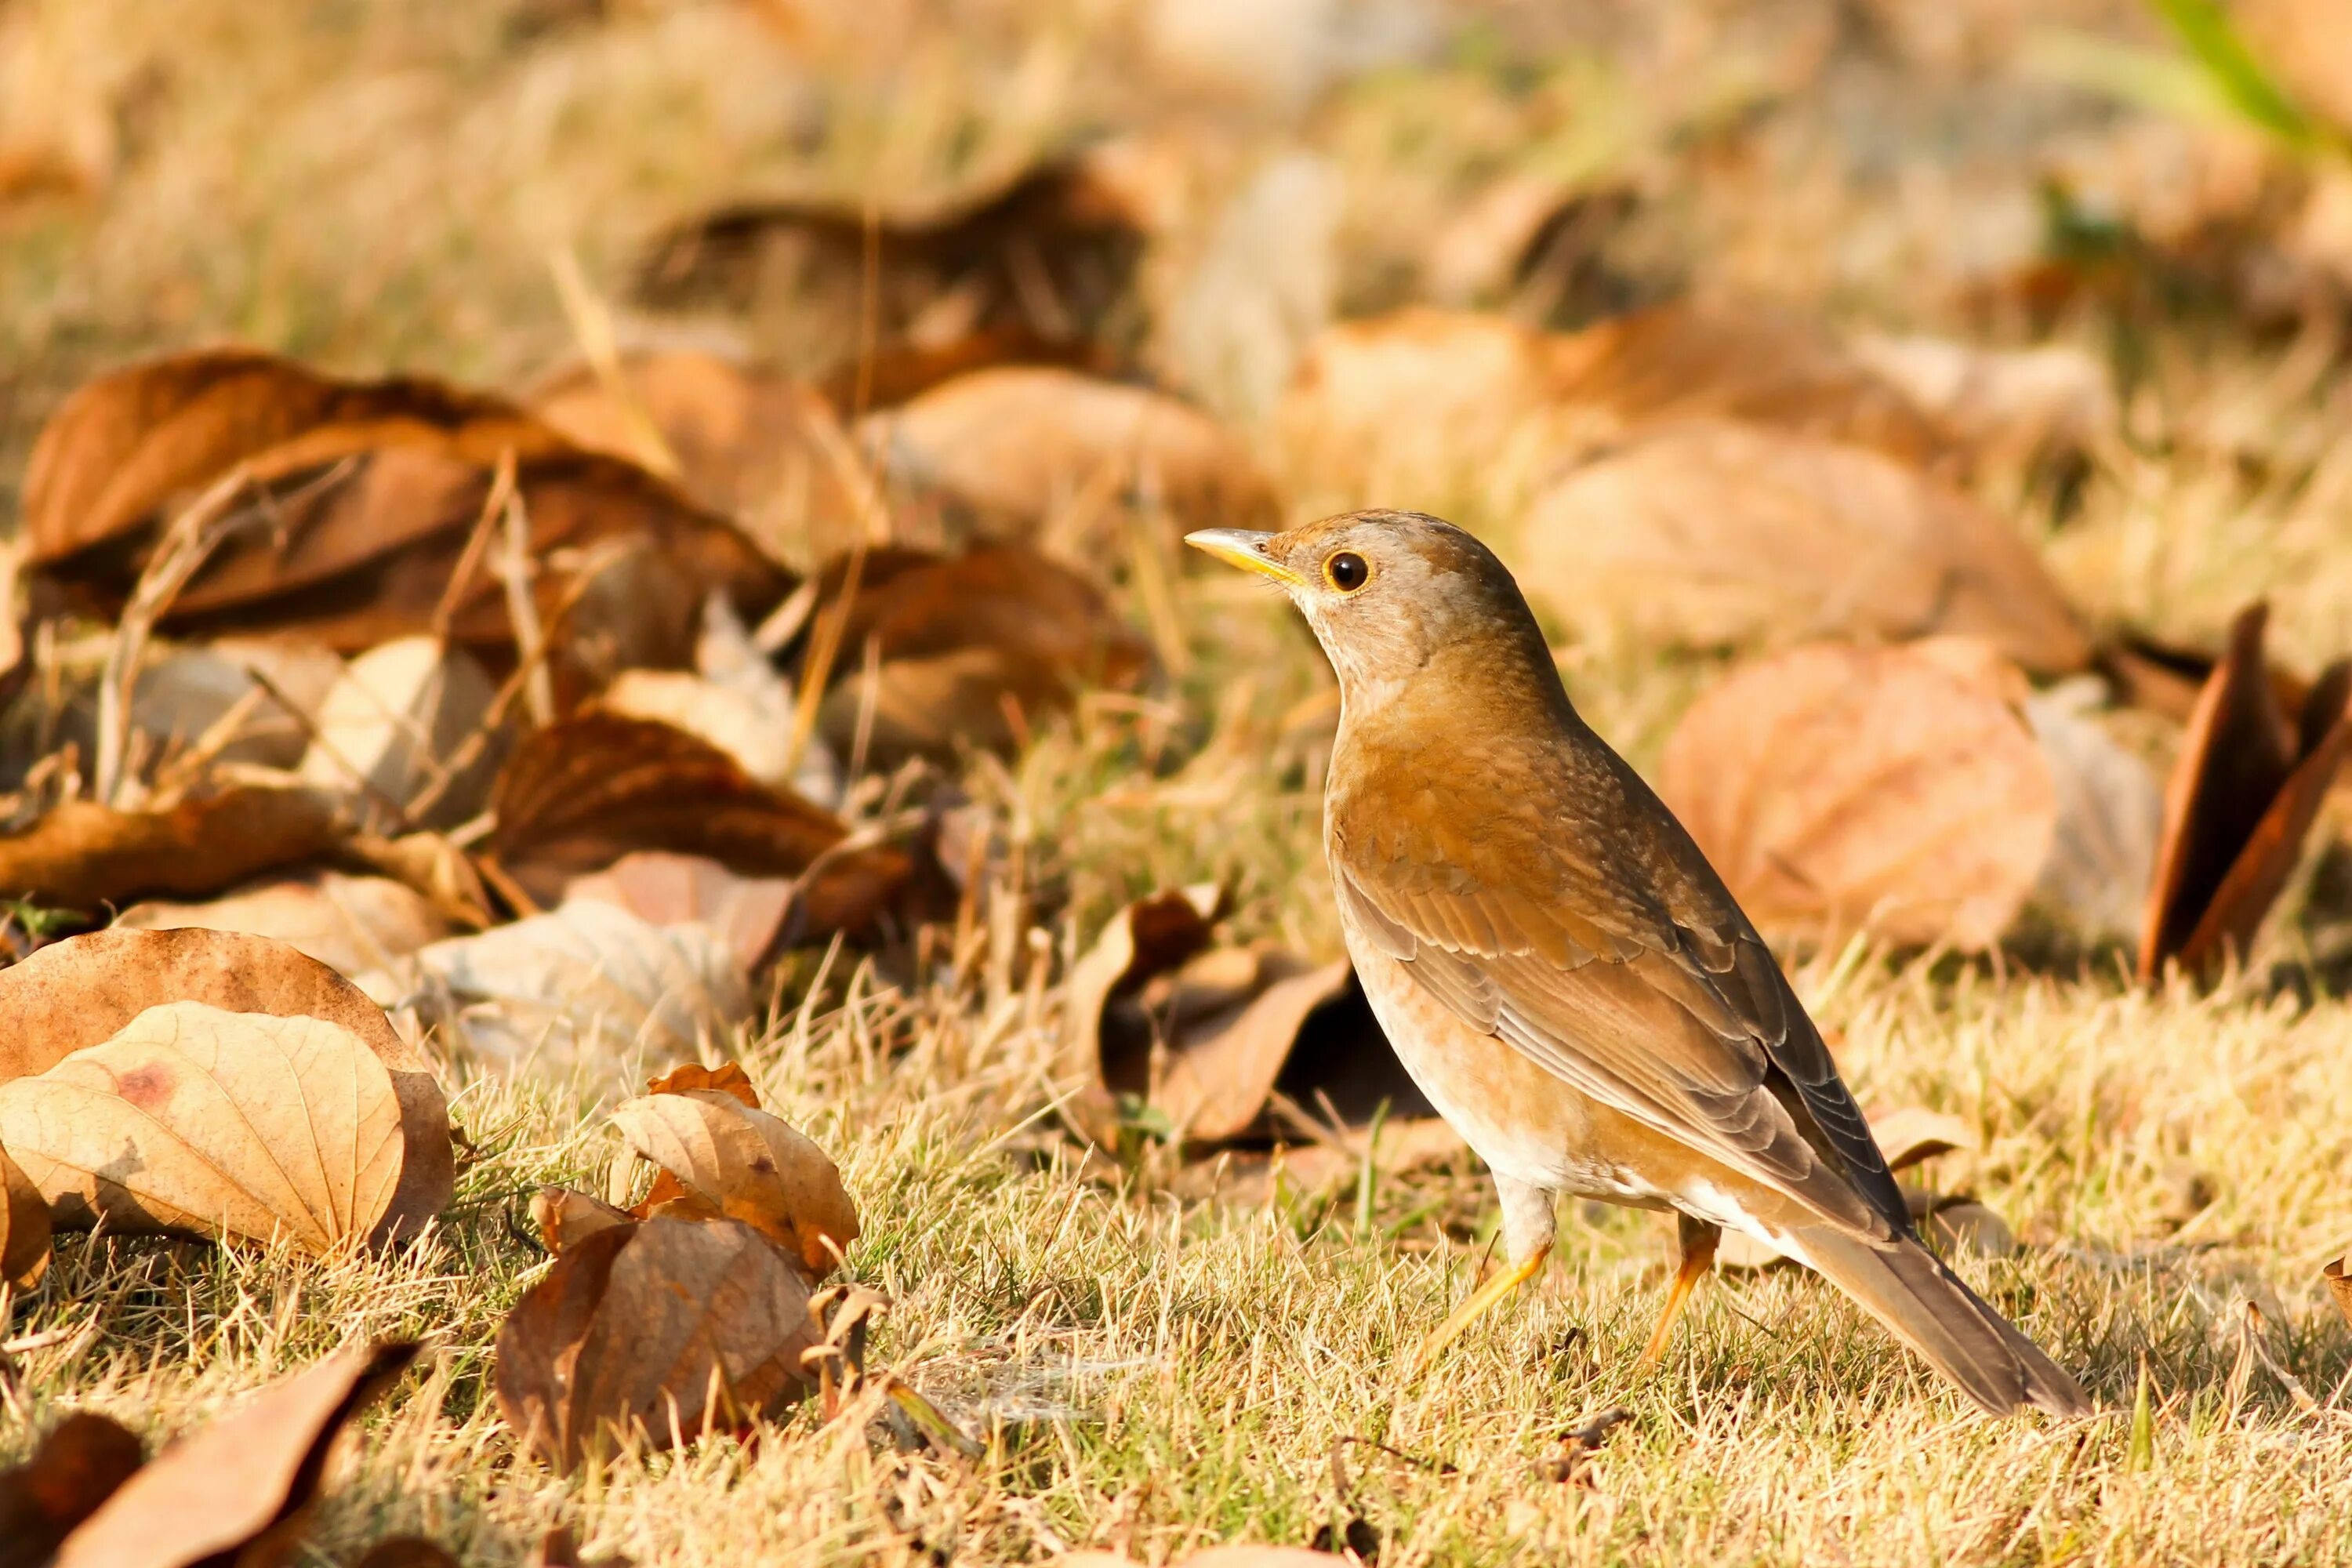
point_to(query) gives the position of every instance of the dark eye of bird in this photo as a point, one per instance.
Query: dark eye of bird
(1347, 571)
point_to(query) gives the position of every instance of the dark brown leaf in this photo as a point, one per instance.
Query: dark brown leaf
(578, 796)
(84, 856)
(668, 1327)
(240, 1489)
(82, 1461)
(24, 1231)
(2239, 805)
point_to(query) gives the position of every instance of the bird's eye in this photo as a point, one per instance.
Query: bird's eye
(1347, 572)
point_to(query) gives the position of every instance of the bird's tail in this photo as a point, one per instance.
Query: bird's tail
(1908, 1288)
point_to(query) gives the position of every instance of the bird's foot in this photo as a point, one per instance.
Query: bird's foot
(1698, 1239)
(1475, 1306)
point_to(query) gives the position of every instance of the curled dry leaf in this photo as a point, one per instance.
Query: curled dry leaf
(758, 737)
(966, 652)
(581, 793)
(566, 1217)
(1063, 461)
(85, 856)
(2339, 1286)
(350, 924)
(588, 983)
(240, 1489)
(668, 1327)
(1837, 788)
(1205, 1036)
(373, 491)
(239, 1125)
(665, 890)
(747, 1164)
(745, 443)
(1914, 1133)
(1716, 533)
(81, 1461)
(24, 1231)
(2239, 805)
(89, 989)
(392, 727)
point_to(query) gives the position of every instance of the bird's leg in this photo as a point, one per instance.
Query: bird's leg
(1697, 1239)
(1528, 1229)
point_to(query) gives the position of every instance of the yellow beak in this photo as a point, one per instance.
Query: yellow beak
(1242, 548)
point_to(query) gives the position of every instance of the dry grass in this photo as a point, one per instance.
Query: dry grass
(378, 183)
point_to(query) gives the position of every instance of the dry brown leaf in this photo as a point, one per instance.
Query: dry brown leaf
(970, 651)
(1715, 533)
(182, 694)
(239, 1125)
(1069, 463)
(663, 1327)
(665, 890)
(1913, 1134)
(84, 856)
(745, 443)
(2339, 1286)
(2110, 816)
(581, 793)
(1047, 248)
(751, 1165)
(726, 1078)
(2242, 798)
(2003, 405)
(241, 1489)
(393, 724)
(587, 982)
(350, 924)
(1837, 788)
(566, 1217)
(81, 1461)
(87, 989)
(25, 1230)
(758, 737)
(373, 491)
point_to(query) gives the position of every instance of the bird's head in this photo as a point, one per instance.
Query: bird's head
(1390, 592)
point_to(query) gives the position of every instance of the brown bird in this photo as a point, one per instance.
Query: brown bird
(1564, 975)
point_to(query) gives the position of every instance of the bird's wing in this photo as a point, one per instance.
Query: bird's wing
(1620, 962)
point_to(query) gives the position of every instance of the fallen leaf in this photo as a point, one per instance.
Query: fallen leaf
(585, 983)
(750, 1165)
(350, 924)
(1961, 1224)
(392, 727)
(25, 1230)
(665, 890)
(726, 1078)
(242, 1488)
(1205, 1034)
(2110, 816)
(670, 1328)
(183, 694)
(84, 856)
(1069, 463)
(87, 989)
(745, 443)
(192, 1119)
(1913, 1134)
(373, 492)
(1713, 533)
(1049, 249)
(895, 374)
(968, 651)
(407, 1552)
(82, 1461)
(566, 1217)
(579, 794)
(758, 738)
(2003, 405)
(1837, 787)
(2239, 805)
(2339, 1286)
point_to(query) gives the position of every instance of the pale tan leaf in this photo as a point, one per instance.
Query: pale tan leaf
(399, 713)
(238, 1489)
(1838, 788)
(1713, 533)
(566, 1218)
(83, 991)
(1223, 1062)
(587, 982)
(2006, 404)
(661, 1327)
(1915, 1133)
(2339, 1286)
(752, 1165)
(666, 890)
(2110, 819)
(24, 1228)
(350, 924)
(757, 737)
(237, 1125)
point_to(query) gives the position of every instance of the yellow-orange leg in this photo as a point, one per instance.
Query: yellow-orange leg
(1485, 1297)
(1698, 1239)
